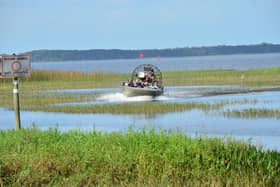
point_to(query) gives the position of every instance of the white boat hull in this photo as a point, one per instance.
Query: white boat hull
(135, 91)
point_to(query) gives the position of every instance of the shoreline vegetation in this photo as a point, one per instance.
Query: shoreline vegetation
(31, 157)
(35, 98)
(46, 80)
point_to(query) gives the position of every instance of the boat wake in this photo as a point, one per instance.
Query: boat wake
(120, 97)
(168, 96)
(182, 94)
(171, 95)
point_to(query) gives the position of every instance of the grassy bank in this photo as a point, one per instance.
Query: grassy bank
(143, 158)
(258, 77)
(252, 113)
(45, 80)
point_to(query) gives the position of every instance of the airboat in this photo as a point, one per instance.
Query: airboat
(146, 80)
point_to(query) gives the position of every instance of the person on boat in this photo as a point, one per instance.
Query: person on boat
(130, 83)
(126, 83)
(136, 83)
(145, 84)
(153, 86)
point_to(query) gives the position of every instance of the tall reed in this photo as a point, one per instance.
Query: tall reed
(136, 158)
(42, 80)
(253, 113)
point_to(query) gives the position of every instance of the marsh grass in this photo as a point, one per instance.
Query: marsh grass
(259, 77)
(252, 113)
(40, 99)
(63, 80)
(46, 80)
(133, 108)
(146, 108)
(58, 102)
(136, 158)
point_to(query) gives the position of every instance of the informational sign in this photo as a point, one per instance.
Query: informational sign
(12, 66)
(15, 66)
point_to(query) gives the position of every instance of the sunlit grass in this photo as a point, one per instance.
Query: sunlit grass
(133, 108)
(41, 99)
(135, 158)
(259, 77)
(45, 80)
(252, 113)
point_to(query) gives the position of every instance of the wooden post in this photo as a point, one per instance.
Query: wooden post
(16, 103)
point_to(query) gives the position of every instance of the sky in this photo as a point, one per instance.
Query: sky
(27, 25)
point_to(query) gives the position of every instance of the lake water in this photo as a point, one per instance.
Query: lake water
(262, 131)
(238, 62)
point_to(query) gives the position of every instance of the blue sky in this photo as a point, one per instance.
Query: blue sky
(135, 24)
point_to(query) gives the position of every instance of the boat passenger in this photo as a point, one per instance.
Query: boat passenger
(130, 83)
(145, 84)
(136, 83)
(126, 83)
(155, 85)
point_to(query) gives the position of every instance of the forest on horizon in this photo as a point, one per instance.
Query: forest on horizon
(103, 54)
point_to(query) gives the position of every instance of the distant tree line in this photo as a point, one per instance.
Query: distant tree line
(101, 54)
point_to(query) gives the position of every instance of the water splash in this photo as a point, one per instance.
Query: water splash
(120, 97)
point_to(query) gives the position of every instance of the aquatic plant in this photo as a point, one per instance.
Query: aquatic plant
(30, 157)
(56, 101)
(259, 77)
(37, 98)
(46, 80)
(252, 113)
(131, 108)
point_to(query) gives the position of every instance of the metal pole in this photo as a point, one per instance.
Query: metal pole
(16, 103)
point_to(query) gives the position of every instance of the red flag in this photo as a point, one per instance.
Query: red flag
(158, 58)
(141, 55)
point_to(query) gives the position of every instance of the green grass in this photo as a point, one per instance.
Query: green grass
(46, 102)
(45, 80)
(253, 113)
(259, 77)
(133, 108)
(29, 99)
(144, 158)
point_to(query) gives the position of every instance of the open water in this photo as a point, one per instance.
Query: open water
(238, 62)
